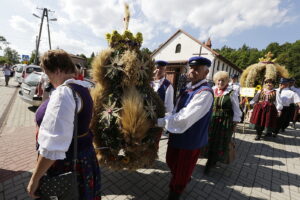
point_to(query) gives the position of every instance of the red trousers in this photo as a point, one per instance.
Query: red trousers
(181, 163)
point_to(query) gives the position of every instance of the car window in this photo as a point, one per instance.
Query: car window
(29, 70)
(33, 79)
(38, 69)
(19, 69)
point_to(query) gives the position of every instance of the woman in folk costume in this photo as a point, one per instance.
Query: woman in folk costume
(226, 114)
(266, 70)
(267, 107)
(55, 120)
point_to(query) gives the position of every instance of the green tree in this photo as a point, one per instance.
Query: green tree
(32, 58)
(3, 60)
(3, 41)
(11, 55)
(90, 60)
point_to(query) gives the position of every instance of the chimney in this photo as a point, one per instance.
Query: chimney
(208, 43)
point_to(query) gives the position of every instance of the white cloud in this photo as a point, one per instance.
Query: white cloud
(81, 24)
(215, 18)
(21, 24)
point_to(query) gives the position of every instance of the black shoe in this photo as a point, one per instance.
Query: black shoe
(257, 137)
(269, 135)
(274, 135)
(173, 196)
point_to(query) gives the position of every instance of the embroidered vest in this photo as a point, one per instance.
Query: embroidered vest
(197, 135)
(162, 89)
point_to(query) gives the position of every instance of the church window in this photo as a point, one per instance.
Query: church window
(178, 48)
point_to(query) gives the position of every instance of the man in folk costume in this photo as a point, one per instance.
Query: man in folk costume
(296, 114)
(162, 86)
(188, 126)
(266, 110)
(288, 97)
(235, 84)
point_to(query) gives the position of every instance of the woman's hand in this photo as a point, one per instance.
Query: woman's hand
(32, 187)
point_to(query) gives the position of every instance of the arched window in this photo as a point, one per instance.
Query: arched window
(178, 48)
(218, 66)
(226, 68)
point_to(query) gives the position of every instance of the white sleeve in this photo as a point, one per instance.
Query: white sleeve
(279, 105)
(296, 98)
(179, 122)
(255, 99)
(237, 113)
(56, 130)
(169, 104)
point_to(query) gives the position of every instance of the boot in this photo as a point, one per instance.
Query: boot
(258, 135)
(173, 195)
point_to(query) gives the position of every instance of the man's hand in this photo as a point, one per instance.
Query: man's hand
(279, 113)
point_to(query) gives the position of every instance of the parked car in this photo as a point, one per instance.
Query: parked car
(31, 90)
(22, 71)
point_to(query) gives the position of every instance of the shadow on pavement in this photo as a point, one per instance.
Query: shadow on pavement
(8, 174)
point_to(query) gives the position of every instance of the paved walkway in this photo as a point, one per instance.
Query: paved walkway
(266, 169)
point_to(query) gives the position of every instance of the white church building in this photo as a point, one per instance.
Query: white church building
(181, 46)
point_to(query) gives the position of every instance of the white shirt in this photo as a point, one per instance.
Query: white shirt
(234, 98)
(197, 108)
(297, 90)
(278, 101)
(169, 103)
(56, 130)
(6, 71)
(236, 87)
(288, 97)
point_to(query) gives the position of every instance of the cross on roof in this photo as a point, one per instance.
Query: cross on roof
(200, 52)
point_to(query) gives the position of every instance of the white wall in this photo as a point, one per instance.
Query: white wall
(188, 48)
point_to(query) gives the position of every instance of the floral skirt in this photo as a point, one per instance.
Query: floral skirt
(88, 169)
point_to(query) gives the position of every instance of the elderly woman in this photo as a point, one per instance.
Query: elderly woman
(226, 114)
(55, 119)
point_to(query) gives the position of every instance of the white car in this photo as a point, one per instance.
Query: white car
(22, 71)
(31, 90)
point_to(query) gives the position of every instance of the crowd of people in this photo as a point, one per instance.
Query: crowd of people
(200, 122)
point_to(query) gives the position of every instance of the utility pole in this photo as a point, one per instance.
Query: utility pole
(45, 14)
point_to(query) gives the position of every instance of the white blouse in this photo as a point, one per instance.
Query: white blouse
(169, 103)
(197, 108)
(56, 130)
(234, 98)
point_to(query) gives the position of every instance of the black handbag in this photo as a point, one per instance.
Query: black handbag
(63, 186)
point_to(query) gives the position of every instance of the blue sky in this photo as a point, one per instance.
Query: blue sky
(81, 25)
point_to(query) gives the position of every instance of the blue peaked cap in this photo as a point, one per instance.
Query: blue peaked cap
(284, 80)
(198, 60)
(161, 63)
